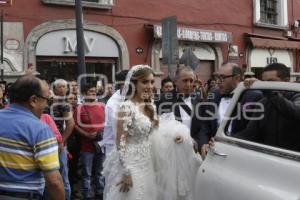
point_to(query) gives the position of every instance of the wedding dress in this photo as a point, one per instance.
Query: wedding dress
(137, 157)
(160, 168)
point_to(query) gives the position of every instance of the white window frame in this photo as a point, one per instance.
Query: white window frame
(282, 15)
(103, 4)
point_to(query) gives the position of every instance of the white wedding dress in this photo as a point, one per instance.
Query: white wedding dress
(137, 158)
(160, 168)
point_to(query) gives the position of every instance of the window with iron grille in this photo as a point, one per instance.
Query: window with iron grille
(104, 4)
(269, 11)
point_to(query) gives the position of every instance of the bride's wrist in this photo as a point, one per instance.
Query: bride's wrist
(126, 172)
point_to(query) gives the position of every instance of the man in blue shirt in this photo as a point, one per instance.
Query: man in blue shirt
(28, 148)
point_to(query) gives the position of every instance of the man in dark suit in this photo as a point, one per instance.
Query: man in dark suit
(229, 76)
(280, 125)
(181, 104)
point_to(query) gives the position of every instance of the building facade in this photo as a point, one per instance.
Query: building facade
(40, 34)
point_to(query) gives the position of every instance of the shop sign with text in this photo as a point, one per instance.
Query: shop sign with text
(196, 34)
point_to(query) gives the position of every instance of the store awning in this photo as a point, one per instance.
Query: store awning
(276, 44)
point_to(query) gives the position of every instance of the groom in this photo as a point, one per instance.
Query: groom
(180, 104)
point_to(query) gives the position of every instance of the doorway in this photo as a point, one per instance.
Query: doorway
(66, 68)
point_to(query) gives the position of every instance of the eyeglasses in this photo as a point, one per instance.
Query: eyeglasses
(46, 98)
(222, 77)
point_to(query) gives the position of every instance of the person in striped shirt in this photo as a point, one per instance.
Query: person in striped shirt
(28, 147)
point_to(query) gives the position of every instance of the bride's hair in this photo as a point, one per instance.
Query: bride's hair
(149, 109)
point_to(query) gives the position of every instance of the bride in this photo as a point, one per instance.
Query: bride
(152, 160)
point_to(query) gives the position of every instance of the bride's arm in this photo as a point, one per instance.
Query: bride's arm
(126, 181)
(121, 133)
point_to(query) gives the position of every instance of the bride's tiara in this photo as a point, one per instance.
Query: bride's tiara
(137, 68)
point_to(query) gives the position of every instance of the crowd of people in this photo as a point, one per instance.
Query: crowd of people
(60, 141)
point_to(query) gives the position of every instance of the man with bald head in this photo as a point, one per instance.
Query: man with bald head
(228, 78)
(181, 103)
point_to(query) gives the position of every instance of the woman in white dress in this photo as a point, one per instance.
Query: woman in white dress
(135, 170)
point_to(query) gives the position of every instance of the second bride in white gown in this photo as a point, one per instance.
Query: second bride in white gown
(139, 167)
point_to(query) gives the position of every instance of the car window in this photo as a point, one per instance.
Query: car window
(269, 117)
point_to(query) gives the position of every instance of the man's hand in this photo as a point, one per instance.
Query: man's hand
(211, 142)
(248, 82)
(205, 147)
(204, 150)
(60, 146)
(55, 185)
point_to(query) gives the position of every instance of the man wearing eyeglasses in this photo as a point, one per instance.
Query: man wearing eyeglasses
(228, 78)
(28, 148)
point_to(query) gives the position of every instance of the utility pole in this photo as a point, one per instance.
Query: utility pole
(170, 44)
(80, 40)
(1, 41)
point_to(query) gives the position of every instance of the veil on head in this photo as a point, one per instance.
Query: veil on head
(127, 83)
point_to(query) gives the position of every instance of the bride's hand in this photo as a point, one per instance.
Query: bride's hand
(125, 183)
(178, 139)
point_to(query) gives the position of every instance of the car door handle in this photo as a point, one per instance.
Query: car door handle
(215, 152)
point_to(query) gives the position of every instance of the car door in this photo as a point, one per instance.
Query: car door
(238, 169)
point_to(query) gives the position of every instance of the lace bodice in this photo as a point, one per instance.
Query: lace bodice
(137, 147)
(137, 125)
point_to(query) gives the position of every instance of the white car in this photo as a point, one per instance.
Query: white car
(239, 169)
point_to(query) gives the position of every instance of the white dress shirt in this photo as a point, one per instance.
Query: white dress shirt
(186, 119)
(110, 129)
(224, 103)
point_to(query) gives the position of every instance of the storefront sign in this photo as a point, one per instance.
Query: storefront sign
(64, 43)
(271, 59)
(196, 34)
(72, 46)
(261, 57)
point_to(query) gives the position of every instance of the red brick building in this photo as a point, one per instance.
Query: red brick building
(121, 33)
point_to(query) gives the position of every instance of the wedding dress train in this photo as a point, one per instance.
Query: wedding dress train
(175, 165)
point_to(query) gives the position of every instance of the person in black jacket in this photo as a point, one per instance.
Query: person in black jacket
(228, 78)
(181, 105)
(280, 125)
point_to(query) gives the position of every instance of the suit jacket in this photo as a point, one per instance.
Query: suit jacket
(280, 125)
(210, 125)
(171, 102)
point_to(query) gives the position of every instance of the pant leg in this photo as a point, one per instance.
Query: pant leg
(99, 178)
(87, 165)
(63, 160)
(74, 177)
